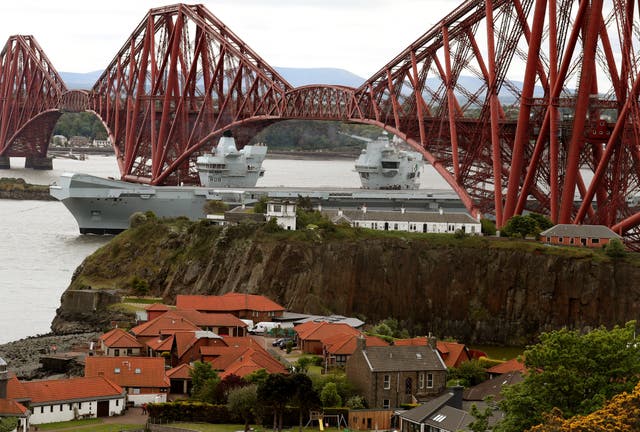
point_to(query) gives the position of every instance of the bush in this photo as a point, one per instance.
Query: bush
(615, 249)
(139, 286)
(488, 227)
(188, 411)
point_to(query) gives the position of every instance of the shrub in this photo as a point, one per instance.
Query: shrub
(488, 227)
(615, 249)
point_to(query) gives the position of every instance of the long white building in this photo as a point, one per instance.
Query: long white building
(424, 222)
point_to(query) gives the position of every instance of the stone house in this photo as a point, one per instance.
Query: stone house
(593, 236)
(388, 377)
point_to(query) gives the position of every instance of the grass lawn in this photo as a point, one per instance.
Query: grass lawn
(87, 425)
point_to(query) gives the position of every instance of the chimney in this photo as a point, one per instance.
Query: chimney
(320, 207)
(4, 379)
(340, 212)
(440, 210)
(361, 343)
(432, 341)
(402, 210)
(455, 400)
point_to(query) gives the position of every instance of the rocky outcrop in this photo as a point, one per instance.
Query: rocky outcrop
(473, 289)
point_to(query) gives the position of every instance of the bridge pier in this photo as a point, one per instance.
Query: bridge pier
(38, 163)
(5, 162)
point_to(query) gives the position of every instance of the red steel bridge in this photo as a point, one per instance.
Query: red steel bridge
(518, 104)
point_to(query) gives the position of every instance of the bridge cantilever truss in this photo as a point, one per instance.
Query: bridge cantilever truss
(518, 104)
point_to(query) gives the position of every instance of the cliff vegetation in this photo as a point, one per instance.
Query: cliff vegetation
(476, 289)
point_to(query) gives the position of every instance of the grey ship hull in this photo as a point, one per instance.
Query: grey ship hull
(104, 206)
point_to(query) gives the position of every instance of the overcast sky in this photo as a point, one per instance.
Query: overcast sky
(357, 35)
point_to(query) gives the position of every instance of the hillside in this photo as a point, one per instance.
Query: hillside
(475, 289)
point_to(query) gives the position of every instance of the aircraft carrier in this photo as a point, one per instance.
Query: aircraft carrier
(104, 206)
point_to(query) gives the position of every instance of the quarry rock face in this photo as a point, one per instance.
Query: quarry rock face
(475, 294)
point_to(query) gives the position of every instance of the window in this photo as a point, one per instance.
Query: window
(385, 403)
(387, 382)
(117, 402)
(129, 351)
(138, 371)
(135, 391)
(116, 352)
(277, 209)
(80, 405)
(595, 240)
(41, 410)
(60, 407)
(429, 380)
(116, 370)
(421, 380)
(51, 408)
(395, 226)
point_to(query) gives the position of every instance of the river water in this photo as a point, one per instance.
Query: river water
(41, 245)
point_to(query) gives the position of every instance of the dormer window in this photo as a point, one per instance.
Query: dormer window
(138, 371)
(116, 370)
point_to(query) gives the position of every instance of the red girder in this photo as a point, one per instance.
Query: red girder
(566, 142)
(30, 89)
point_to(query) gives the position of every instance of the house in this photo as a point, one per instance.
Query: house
(453, 353)
(240, 356)
(9, 407)
(513, 365)
(180, 380)
(117, 342)
(143, 378)
(414, 221)
(390, 376)
(311, 334)
(186, 345)
(489, 388)
(244, 306)
(223, 324)
(68, 399)
(162, 327)
(284, 212)
(593, 236)
(442, 414)
(338, 348)
(155, 310)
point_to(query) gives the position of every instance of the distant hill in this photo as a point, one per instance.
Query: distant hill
(295, 76)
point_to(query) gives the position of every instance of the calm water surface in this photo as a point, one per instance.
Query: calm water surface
(41, 245)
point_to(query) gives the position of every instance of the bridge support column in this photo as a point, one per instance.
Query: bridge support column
(5, 162)
(39, 163)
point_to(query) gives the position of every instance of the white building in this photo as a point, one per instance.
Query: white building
(424, 222)
(284, 212)
(68, 399)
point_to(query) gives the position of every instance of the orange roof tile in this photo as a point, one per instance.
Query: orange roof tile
(345, 344)
(11, 408)
(15, 390)
(229, 302)
(161, 344)
(157, 307)
(185, 340)
(513, 365)
(71, 389)
(118, 338)
(180, 372)
(211, 319)
(323, 330)
(129, 371)
(242, 361)
(168, 322)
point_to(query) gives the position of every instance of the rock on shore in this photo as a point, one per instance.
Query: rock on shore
(23, 356)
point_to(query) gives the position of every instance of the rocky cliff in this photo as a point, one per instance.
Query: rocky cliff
(475, 289)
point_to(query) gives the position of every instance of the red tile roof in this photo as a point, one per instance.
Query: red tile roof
(129, 371)
(11, 408)
(118, 338)
(167, 323)
(229, 302)
(15, 390)
(157, 307)
(161, 344)
(180, 372)
(185, 340)
(513, 365)
(345, 344)
(63, 390)
(237, 359)
(323, 330)
(211, 319)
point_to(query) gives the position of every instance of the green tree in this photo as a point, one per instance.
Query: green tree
(303, 363)
(257, 377)
(242, 401)
(521, 226)
(488, 227)
(615, 248)
(469, 373)
(481, 416)
(260, 206)
(204, 380)
(543, 222)
(304, 397)
(330, 396)
(355, 402)
(573, 372)
(8, 424)
(274, 393)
